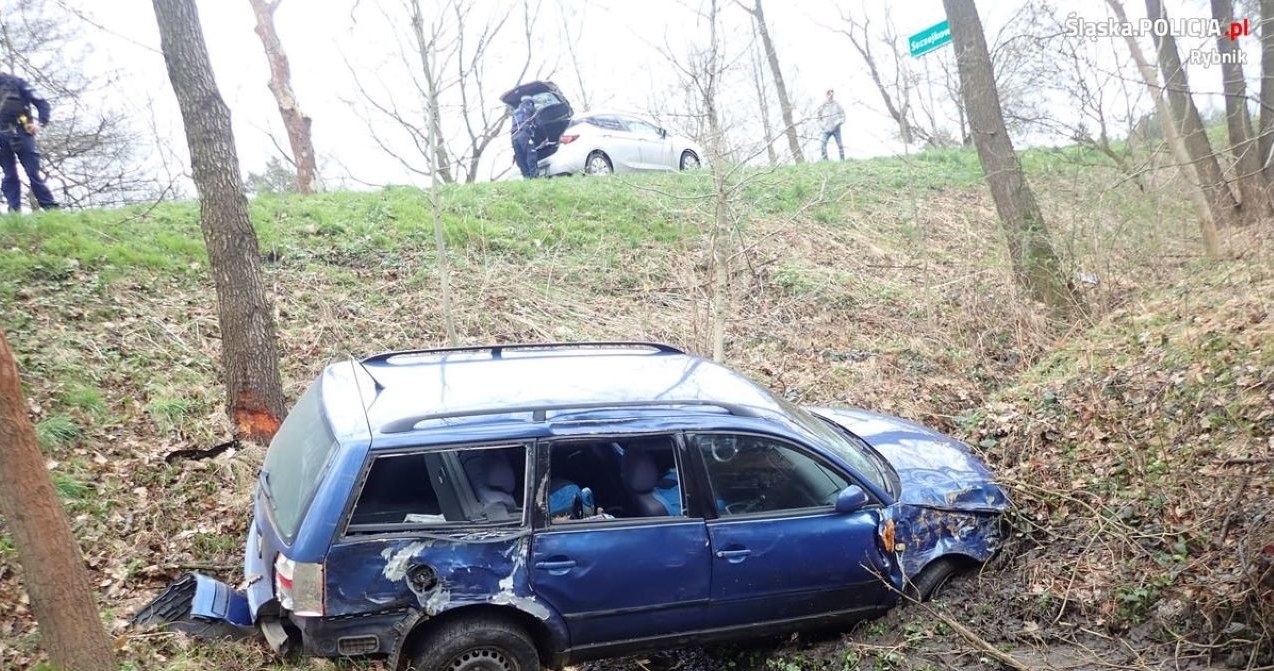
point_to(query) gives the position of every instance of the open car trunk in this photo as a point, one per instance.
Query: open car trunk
(551, 106)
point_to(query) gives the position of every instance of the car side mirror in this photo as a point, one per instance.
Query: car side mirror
(663, 133)
(851, 498)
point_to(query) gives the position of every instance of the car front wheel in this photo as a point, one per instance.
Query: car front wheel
(933, 578)
(476, 644)
(689, 160)
(598, 163)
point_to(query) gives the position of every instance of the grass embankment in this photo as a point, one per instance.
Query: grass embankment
(879, 283)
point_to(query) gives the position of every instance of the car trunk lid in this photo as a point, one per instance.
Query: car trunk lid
(553, 108)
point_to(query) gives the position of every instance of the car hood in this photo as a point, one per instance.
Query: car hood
(936, 471)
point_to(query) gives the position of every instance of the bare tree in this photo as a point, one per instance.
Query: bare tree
(447, 53)
(763, 100)
(895, 94)
(91, 152)
(1247, 162)
(1198, 199)
(250, 359)
(1188, 122)
(780, 87)
(1035, 264)
(1265, 141)
(295, 121)
(52, 567)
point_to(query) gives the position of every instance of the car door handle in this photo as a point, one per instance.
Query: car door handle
(556, 567)
(733, 556)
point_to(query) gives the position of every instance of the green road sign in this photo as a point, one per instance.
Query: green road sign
(929, 39)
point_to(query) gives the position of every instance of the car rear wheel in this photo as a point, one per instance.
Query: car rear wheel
(933, 578)
(598, 163)
(689, 160)
(476, 644)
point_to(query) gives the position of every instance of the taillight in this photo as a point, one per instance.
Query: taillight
(299, 586)
(567, 139)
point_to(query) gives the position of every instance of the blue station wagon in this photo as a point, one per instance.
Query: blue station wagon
(521, 506)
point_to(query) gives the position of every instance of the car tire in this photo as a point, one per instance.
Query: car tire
(933, 578)
(689, 160)
(476, 644)
(598, 163)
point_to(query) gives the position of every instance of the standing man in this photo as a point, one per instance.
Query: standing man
(831, 116)
(524, 153)
(18, 129)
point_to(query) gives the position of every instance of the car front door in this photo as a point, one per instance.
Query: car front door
(636, 565)
(780, 550)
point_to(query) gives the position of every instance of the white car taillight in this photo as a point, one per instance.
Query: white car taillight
(567, 139)
(299, 586)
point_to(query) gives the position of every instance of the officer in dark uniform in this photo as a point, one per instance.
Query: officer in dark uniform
(524, 126)
(18, 129)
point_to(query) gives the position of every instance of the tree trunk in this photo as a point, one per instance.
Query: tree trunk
(762, 96)
(424, 46)
(52, 567)
(1186, 117)
(250, 359)
(1266, 130)
(1256, 204)
(720, 194)
(785, 103)
(1035, 264)
(295, 121)
(1198, 199)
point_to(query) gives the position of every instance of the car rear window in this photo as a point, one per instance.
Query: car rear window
(295, 462)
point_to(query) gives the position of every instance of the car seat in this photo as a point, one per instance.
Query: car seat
(493, 483)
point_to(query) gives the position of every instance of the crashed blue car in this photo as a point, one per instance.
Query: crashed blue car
(526, 506)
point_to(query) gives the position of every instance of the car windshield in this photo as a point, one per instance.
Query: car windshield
(857, 455)
(294, 464)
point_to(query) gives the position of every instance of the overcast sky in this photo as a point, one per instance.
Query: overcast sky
(334, 45)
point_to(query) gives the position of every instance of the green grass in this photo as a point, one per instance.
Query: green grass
(56, 430)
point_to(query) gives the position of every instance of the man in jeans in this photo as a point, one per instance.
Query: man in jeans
(831, 116)
(18, 128)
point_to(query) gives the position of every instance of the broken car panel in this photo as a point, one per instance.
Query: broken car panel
(573, 501)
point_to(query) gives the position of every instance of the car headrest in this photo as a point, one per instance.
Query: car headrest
(638, 471)
(491, 469)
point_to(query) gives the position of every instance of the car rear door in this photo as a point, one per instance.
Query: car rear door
(656, 147)
(780, 551)
(624, 578)
(618, 141)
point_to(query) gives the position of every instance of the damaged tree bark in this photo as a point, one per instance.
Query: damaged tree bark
(295, 121)
(249, 354)
(52, 568)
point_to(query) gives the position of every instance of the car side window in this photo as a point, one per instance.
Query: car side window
(441, 487)
(608, 123)
(614, 478)
(757, 474)
(643, 128)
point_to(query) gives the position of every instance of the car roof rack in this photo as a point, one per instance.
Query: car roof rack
(498, 350)
(539, 413)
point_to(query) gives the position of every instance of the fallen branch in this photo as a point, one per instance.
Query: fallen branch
(1000, 656)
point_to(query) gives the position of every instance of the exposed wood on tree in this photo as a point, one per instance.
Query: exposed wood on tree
(1186, 117)
(1247, 164)
(52, 567)
(294, 120)
(1035, 264)
(249, 354)
(1198, 199)
(780, 86)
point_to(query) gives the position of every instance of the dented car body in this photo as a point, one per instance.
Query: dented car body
(577, 501)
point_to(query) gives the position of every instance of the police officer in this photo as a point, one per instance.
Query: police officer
(524, 153)
(18, 129)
